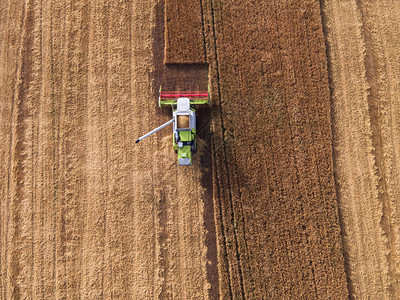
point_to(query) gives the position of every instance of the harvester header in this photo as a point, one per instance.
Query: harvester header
(171, 98)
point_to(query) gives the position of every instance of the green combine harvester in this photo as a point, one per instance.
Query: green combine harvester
(183, 120)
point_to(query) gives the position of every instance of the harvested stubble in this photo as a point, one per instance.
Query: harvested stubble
(184, 34)
(363, 48)
(84, 213)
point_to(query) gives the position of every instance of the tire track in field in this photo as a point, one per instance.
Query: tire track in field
(37, 107)
(148, 283)
(119, 219)
(4, 7)
(34, 95)
(94, 239)
(362, 49)
(72, 178)
(20, 202)
(228, 273)
(53, 193)
(11, 51)
(43, 264)
(49, 134)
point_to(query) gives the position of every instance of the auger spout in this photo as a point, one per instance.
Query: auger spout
(155, 130)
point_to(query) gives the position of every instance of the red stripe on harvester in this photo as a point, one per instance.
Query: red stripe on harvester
(182, 95)
(184, 92)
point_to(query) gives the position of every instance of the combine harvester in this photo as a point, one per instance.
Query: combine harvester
(183, 120)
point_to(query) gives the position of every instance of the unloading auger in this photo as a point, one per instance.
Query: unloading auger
(183, 120)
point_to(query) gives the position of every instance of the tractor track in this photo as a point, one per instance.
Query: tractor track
(219, 114)
(11, 45)
(19, 171)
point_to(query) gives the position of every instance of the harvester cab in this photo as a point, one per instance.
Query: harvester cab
(183, 120)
